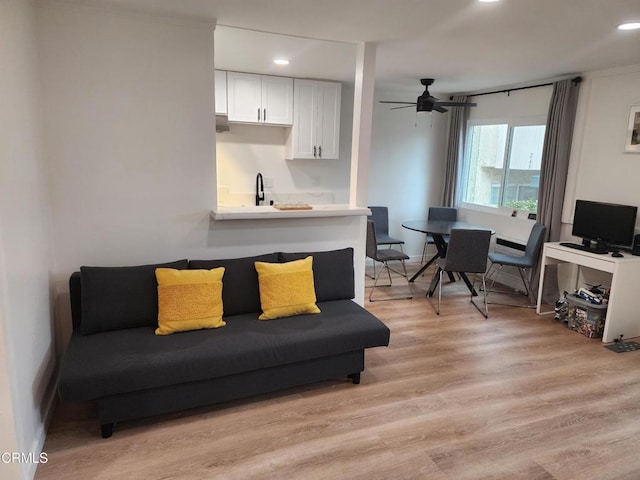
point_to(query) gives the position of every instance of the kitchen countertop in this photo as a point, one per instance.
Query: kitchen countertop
(264, 212)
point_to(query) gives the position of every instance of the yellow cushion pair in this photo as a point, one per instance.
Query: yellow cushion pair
(286, 289)
(189, 299)
(192, 299)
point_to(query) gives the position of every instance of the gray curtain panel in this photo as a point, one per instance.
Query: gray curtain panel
(455, 151)
(553, 177)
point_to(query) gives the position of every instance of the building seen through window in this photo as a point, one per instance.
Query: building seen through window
(502, 165)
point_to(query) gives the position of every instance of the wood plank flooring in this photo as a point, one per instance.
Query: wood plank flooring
(453, 397)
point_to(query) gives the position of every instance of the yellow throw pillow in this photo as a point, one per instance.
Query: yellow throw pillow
(286, 289)
(189, 299)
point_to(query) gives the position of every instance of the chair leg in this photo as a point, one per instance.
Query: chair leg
(439, 292)
(375, 284)
(524, 281)
(485, 313)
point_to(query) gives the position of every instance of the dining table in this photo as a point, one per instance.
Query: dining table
(439, 229)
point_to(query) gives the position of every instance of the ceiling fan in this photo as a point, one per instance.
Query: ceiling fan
(428, 103)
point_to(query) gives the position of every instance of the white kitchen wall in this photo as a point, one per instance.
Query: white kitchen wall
(245, 150)
(26, 323)
(407, 165)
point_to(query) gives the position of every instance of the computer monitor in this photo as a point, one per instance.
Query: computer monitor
(608, 224)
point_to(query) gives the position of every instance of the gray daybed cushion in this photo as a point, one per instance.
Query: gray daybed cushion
(148, 361)
(114, 298)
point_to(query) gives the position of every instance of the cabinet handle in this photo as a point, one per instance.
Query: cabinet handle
(264, 115)
(314, 150)
(320, 151)
(258, 114)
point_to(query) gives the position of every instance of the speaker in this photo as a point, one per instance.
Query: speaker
(636, 245)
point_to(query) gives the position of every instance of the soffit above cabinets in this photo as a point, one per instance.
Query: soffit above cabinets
(309, 58)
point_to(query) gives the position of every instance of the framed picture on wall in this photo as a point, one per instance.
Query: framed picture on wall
(632, 143)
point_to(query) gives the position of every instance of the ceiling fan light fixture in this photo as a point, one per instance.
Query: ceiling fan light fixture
(629, 26)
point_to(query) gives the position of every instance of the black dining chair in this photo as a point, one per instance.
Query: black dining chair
(521, 262)
(380, 217)
(384, 256)
(439, 213)
(467, 252)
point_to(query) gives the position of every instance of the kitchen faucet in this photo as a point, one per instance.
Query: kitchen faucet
(259, 189)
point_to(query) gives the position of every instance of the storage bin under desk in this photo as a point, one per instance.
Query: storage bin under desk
(623, 316)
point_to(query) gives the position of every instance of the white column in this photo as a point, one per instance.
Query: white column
(362, 121)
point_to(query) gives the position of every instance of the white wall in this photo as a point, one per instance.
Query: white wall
(246, 150)
(26, 337)
(407, 165)
(600, 170)
(131, 145)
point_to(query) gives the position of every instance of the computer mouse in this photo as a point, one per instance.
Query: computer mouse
(617, 254)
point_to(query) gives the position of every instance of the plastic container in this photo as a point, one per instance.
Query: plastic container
(585, 317)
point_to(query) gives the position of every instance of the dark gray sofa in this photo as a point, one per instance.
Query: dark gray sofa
(114, 356)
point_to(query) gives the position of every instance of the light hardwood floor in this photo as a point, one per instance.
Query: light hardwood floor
(453, 397)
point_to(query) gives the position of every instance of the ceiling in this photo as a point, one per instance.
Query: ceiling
(466, 45)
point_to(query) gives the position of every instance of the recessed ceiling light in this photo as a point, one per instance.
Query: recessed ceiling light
(629, 26)
(488, 1)
(281, 61)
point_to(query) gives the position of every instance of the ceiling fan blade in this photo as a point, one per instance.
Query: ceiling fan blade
(457, 104)
(438, 108)
(389, 101)
(404, 106)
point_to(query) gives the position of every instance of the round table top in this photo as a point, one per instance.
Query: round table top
(441, 227)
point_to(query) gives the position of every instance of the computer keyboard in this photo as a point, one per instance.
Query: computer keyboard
(584, 248)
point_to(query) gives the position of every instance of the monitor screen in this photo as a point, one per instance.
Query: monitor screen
(606, 223)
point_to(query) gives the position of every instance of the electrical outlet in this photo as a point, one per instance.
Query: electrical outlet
(268, 182)
(315, 180)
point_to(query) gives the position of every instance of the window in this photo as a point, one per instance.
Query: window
(502, 165)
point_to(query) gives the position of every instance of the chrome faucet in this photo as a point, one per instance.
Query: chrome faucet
(259, 189)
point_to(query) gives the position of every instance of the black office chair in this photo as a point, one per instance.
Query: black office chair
(380, 217)
(522, 262)
(467, 252)
(384, 256)
(438, 213)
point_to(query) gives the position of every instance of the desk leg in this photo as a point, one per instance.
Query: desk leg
(541, 285)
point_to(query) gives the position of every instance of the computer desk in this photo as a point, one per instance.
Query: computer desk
(623, 311)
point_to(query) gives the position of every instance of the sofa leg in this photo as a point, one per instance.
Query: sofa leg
(355, 377)
(107, 430)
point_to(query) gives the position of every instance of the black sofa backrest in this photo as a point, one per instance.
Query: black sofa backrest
(113, 298)
(240, 293)
(332, 273)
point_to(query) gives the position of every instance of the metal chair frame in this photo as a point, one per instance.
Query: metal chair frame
(521, 262)
(384, 256)
(467, 253)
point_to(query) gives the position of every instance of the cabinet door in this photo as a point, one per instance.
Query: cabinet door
(328, 120)
(221, 92)
(244, 97)
(302, 138)
(277, 100)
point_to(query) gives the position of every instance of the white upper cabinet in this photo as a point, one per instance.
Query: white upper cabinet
(316, 120)
(221, 92)
(259, 99)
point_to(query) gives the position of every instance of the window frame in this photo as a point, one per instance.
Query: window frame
(511, 122)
